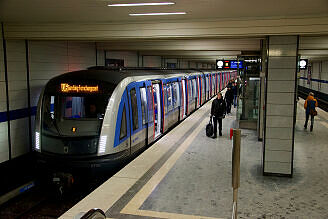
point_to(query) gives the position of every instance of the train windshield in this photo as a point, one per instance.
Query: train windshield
(73, 115)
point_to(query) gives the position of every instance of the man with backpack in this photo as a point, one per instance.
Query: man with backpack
(217, 113)
(309, 105)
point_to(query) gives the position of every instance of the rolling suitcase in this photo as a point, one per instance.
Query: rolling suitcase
(209, 129)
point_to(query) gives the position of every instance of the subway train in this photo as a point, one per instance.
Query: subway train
(97, 117)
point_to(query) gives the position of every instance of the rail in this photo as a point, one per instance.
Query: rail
(305, 94)
(235, 170)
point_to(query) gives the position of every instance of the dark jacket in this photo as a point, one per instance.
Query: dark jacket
(229, 96)
(310, 103)
(234, 90)
(218, 108)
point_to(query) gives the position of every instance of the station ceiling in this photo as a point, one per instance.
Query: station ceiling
(210, 29)
(98, 11)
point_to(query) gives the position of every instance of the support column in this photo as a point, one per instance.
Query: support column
(280, 106)
(260, 121)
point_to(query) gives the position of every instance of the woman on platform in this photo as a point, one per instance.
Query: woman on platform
(309, 105)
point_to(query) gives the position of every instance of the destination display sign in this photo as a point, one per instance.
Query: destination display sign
(228, 64)
(68, 88)
(233, 64)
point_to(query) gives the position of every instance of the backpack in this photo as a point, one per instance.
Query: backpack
(209, 129)
(313, 112)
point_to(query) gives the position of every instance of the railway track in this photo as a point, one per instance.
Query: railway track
(43, 201)
(322, 103)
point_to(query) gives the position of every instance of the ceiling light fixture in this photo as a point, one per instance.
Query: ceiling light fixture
(141, 4)
(168, 13)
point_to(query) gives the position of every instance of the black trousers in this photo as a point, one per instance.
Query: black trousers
(215, 123)
(228, 107)
(307, 119)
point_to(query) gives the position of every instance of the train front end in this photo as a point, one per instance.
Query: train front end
(69, 122)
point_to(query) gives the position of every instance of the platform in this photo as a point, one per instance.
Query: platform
(188, 175)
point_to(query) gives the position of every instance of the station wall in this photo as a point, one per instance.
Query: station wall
(18, 97)
(4, 147)
(130, 57)
(152, 61)
(30, 65)
(184, 64)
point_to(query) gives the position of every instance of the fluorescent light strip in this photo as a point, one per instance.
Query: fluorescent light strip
(149, 14)
(37, 140)
(141, 4)
(102, 144)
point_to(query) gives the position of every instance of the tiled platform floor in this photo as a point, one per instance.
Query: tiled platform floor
(188, 175)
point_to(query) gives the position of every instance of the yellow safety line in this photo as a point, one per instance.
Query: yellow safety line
(170, 215)
(133, 206)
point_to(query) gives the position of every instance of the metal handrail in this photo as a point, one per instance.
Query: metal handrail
(94, 213)
(235, 170)
(234, 210)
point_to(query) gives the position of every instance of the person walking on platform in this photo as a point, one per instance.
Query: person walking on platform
(230, 83)
(228, 99)
(218, 110)
(309, 105)
(235, 92)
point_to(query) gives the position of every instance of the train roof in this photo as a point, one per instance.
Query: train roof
(115, 76)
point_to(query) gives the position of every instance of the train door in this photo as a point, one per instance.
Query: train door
(203, 89)
(144, 113)
(195, 92)
(199, 86)
(184, 98)
(157, 110)
(137, 135)
(211, 85)
(221, 78)
(208, 86)
(190, 96)
(217, 83)
(150, 112)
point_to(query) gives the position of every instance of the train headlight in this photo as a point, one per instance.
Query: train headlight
(37, 141)
(102, 144)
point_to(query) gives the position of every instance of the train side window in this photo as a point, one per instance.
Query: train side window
(176, 95)
(123, 131)
(143, 98)
(194, 87)
(203, 85)
(165, 98)
(191, 90)
(169, 97)
(134, 107)
(150, 104)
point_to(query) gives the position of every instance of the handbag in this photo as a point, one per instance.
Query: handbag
(209, 128)
(313, 112)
